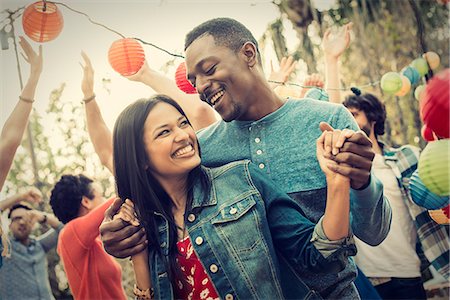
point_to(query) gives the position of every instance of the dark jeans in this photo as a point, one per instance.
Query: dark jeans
(402, 288)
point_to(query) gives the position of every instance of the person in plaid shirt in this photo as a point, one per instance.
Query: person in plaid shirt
(415, 240)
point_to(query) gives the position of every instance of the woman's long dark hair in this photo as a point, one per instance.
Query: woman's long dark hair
(134, 182)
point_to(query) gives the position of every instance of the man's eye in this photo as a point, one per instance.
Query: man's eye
(210, 70)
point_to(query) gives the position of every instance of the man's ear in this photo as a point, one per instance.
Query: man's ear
(86, 203)
(250, 54)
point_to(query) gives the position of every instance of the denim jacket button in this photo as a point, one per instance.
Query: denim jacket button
(163, 244)
(213, 268)
(191, 218)
(233, 211)
(199, 240)
(229, 297)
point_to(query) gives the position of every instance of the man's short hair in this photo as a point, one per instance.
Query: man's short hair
(66, 196)
(373, 108)
(225, 31)
(17, 206)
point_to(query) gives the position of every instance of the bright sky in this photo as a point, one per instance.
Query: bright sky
(163, 23)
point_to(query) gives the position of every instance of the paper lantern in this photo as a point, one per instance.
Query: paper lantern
(318, 94)
(434, 167)
(391, 82)
(406, 86)
(181, 80)
(418, 92)
(126, 56)
(441, 216)
(411, 73)
(433, 59)
(422, 196)
(42, 23)
(427, 133)
(434, 105)
(420, 64)
(285, 91)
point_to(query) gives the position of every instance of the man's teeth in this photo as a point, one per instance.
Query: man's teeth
(216, 96)
(184, 150)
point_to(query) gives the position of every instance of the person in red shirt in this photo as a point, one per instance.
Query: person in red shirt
(78, 202)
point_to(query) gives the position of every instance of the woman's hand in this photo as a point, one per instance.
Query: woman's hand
(127, 213)
(34, 59)
(87, 84)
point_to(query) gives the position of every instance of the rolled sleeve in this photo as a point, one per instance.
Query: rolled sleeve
(335, 252)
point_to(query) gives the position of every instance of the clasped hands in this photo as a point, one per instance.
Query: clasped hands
(351, 153)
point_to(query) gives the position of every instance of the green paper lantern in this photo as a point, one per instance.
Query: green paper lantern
(434, 167)
(418, 92)
(391, 82)
(420, 64)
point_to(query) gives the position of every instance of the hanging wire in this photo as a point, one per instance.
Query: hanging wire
(159, 48)
(328, 89)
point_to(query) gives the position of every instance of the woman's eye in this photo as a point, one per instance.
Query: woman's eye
(184, 123)
(164, 132)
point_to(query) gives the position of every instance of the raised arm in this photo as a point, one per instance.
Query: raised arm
(199, 113)
(333, 46)
(31, 195)
(99, 133)
(15, 125)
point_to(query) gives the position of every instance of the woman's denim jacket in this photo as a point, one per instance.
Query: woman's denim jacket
(251, 238)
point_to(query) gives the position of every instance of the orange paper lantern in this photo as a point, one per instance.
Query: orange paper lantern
(181, 80)
(441, 216)
(126, 56)
(42, 22)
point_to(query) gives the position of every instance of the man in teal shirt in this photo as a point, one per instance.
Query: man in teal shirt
(279, 136)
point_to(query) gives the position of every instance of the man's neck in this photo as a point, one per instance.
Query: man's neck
(376, 147)
(265, 102)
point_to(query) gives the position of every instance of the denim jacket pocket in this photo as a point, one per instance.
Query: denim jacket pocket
(238, 224)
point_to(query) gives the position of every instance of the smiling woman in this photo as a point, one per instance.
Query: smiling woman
(203, 224)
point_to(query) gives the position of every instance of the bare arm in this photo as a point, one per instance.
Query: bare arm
(16, 124)
(199, 113)
(99, 133)
(140, 260)
(336, 220)
(333, 47)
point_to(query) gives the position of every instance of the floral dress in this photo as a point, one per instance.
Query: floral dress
(196, 284)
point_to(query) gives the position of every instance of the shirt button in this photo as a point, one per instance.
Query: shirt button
(233, 211)
(191, 218)
(250, 128)
(229, 297)
(257, 140)
(259, 152)
(163, 244)
(213, 268)
(261, 166)
(199, 240)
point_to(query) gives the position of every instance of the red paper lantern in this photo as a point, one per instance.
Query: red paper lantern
(181, 80)
(42, 22)
(427, 133)
(126, 56)
(434, 106)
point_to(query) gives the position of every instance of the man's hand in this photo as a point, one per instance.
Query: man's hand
(120, 238)
(353, 153)
(313, 80)
(32, 195)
